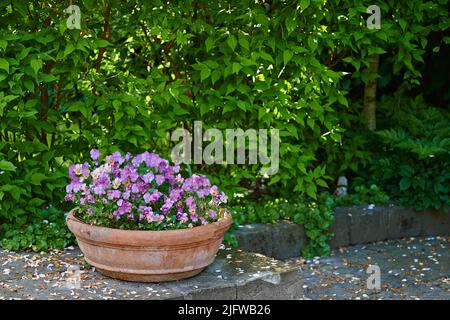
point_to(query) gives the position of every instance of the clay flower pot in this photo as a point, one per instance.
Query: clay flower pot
(149, 256)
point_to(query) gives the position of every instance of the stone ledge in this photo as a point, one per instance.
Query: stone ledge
(412, 268)
(233, 275)
(352, 226)
(281, 240)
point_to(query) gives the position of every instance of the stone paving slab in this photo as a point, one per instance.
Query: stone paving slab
(352, 226)
(411, 268)
(234, 274)
(281, 240)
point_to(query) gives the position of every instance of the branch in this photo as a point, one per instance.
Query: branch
(169, 58)
(106, 34)
(155, 53)
(58, 92)
(370, 94)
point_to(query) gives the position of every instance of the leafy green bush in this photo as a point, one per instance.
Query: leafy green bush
(317, 218)
(363, 195)
(138, 70)
(45, 231)
(413, 156)
(315, 215)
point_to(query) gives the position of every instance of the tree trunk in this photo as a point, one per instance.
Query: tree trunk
(370, 94)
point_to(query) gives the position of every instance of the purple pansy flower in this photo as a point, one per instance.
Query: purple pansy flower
(128, 185)
(95, 154)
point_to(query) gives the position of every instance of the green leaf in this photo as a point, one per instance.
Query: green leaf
(312, 43)
(23, 53)
(7, 166)
(236, 67)
(215, 76)
(29, 85)
(101, 43)
(204, 74)
(321, 183)
(3, 44)
(404, 184)
(4, 64)
(402, 23)
(266, 56)
(232, 42)
(204, 108)
(287, 56)
(376, 50)
(311, 191)
(291, 23)
(37, 177)
(262, 20)
(36, 64)
(304, 4)
(209, 43)
(68, 50)
(13, 190)
(48, 77)
(36, 202)
(244, 42)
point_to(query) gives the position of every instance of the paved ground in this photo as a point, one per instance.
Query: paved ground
(410, 269)
(414, 268)
(64, 275)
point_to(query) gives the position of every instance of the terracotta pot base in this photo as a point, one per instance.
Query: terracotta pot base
(133, 277)
(149, 256)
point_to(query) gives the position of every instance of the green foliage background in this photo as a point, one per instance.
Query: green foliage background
(138, 70)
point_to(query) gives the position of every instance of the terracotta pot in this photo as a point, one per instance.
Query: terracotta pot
(149, 256)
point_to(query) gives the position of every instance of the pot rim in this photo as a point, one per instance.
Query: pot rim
(89, 232)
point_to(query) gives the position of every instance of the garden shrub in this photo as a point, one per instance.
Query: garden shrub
(315, 215)
(136, 71)
(44, 231)
(413, 157)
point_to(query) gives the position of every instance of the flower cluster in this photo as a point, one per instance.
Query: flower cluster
(142, 191)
